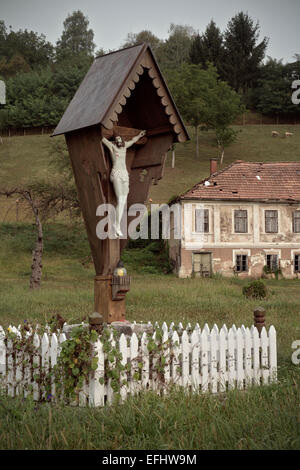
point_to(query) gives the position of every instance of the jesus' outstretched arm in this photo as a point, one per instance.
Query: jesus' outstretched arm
(129, 143)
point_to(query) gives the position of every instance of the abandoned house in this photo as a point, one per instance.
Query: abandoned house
(243, 220)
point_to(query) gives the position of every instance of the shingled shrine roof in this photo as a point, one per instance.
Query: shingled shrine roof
(107, 86)
(255, 181)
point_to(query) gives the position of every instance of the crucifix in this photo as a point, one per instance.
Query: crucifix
(119, 174)
(118, 128)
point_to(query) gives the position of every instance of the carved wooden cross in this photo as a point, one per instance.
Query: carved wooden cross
(122, 94)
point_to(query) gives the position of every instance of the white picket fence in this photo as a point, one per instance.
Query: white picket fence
(198, 360)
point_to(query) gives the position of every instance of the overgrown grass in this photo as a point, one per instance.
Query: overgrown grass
(261, 418)
(67, 287)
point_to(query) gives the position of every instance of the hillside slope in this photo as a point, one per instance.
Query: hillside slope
(26, 158)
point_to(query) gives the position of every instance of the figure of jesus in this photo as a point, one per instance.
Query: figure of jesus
(119, 174)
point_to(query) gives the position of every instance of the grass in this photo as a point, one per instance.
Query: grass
(67, 287)
(261, 418)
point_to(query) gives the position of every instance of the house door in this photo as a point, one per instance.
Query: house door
(202, 264)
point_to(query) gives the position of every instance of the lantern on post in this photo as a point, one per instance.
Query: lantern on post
(120, 282)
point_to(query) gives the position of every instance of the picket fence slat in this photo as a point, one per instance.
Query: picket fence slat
(214, 376)
(231, 359)
(27, 369)
(239, 359)
(195, 343)
(264, 356)
(175, 364)
(223, 374)
(110, 392)
(185, 358)
(10, 369)
(2, 353)
(272, 354)
(166, 358)
(145, 361)
(256, 356)
(204, 359)
(53, 359)
(199, 360)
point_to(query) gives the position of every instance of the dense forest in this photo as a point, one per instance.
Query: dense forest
(42, 78)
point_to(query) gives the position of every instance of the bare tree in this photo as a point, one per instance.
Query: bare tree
(45, 200)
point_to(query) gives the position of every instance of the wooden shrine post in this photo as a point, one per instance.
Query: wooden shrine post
(122, 94)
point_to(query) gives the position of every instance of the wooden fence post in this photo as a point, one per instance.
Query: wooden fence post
(259, 318)
(96, 322)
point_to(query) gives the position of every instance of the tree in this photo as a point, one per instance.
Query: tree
(45, 200)
(272, 95)
(208, 48)
(206, 101)
(175, 50)
(157, 45)
(243, 52)
(143, 36)
(100, 52)
(32, 47)
(76, 38)
(11, 67)
(3, 36)
(39, 98)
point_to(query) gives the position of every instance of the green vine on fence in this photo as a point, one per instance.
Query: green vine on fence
(113, 362)
(78, 358)
(23, 351)
(75, 362)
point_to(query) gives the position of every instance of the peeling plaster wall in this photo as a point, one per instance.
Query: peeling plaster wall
(224, 244)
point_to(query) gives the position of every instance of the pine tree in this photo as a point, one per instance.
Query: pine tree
(208, 48)
(243, 52)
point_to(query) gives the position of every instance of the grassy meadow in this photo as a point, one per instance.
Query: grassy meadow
(261, 418)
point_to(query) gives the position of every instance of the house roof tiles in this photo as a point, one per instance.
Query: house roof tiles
(272, 181)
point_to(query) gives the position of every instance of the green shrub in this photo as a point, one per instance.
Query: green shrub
(255, 290)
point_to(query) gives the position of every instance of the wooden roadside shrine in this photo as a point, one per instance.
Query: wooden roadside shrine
(122, 93)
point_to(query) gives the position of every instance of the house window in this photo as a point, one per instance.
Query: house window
(271, 221)
(241, 263)
(240, 221)
(202, 220)
(296, 222)
(297, 263)
(272, 262)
